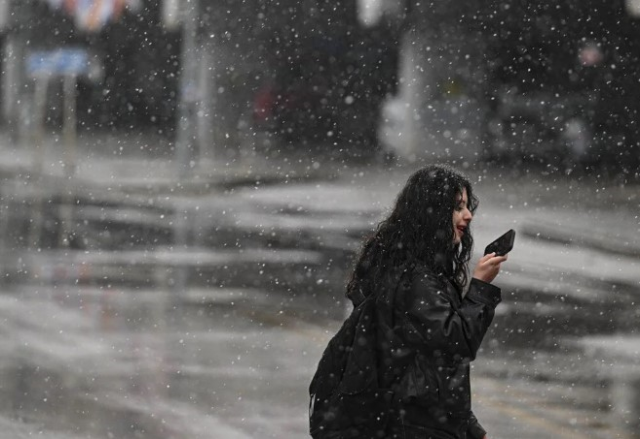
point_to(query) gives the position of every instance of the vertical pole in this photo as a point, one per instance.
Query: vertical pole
(18, 15)
(187, 141)
(39, 106)
(206, 103)
(39, 103)
(411, 90)
(186, 148)
(13, 53)
(70, 124)
(69, 130)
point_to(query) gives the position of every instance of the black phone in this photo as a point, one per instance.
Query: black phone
(502, 245)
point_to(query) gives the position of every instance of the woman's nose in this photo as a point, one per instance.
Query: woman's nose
(468, 215)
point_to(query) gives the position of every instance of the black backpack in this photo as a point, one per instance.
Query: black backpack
(345, 399)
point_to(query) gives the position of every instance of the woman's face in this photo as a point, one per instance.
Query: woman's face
(461, 216)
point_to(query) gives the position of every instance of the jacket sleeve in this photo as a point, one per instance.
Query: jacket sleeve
(434, 321)
(475, 430)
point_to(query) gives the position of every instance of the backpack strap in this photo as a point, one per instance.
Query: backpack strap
(357, 297)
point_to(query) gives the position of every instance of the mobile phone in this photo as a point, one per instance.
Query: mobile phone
(502, 245)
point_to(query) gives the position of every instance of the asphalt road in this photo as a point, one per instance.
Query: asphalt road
(106, 343)
(140, 364)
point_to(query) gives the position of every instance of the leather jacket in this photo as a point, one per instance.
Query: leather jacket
(427, 335)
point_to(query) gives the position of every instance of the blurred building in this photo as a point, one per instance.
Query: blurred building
(215, 71)
(565, 74)
(135, 61)
(553, 81)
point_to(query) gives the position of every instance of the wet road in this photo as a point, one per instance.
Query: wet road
(217, 337)
(104, 363)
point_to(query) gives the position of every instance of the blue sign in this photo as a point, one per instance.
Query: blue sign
(58, 62)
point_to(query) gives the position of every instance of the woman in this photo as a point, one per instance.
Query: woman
(428, 328)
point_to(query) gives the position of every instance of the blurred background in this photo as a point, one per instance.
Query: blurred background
(184, 186)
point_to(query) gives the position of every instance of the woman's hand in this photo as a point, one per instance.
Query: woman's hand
(488, 267)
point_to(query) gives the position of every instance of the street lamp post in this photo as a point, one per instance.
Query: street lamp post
(187, 146)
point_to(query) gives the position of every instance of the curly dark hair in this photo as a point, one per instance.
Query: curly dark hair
(418, 232)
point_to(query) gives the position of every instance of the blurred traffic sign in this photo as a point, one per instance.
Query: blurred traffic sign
(58, 62)
(93, 15)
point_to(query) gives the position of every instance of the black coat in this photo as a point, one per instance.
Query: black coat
(427, 335)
